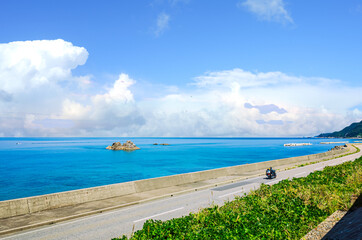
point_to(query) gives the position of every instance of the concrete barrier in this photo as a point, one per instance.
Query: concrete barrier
(27, 205)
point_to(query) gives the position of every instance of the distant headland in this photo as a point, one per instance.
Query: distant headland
(352, 131)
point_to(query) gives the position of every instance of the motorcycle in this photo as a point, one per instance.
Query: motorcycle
(270, 173)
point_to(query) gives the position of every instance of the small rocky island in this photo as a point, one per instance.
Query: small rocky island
(127, 146)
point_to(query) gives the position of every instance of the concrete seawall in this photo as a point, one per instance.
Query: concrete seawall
(28, 205)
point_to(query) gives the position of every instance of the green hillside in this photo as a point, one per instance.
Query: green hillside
(353, 130)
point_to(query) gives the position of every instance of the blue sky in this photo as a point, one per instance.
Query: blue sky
(258, 52)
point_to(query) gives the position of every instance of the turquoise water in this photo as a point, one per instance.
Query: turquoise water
(46, 165)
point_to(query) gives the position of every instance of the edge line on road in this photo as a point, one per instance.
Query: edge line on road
(159, 214)
(230, 193)
(300, 173)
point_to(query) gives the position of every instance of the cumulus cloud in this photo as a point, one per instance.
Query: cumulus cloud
(34, 76)
(277, 87)
(39, 96)
(113, 110)
(119, 92)
(162, 23)
(30, 64)
(269, 10)
(74, 110)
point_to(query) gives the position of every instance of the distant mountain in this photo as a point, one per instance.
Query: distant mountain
(353, 130)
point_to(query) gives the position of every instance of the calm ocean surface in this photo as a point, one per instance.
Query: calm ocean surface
(46, 165)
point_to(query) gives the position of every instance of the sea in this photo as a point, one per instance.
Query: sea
(37, 166)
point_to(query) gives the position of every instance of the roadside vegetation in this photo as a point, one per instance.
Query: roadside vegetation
(310, 163)
(287, 210)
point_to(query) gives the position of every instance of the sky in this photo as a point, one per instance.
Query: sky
(179, 68)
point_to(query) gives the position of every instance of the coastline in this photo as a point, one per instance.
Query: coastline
(146, 190)
(66, 164)
(62, 199)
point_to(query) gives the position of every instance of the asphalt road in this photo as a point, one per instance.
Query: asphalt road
(123, 221)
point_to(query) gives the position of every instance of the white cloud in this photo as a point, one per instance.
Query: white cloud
(119, 92)
(238, 78)
(30, 64)
(269, 10)
(162, 23)
(74, 110)
(35, 76)
(83, 81)
(114, 111)
(35, 100)
(277, 87)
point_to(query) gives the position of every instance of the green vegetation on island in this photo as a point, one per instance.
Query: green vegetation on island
(352, 131)
(287, 210)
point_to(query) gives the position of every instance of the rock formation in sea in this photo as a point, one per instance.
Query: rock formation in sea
(338, 147)
(127, 146)
(162, 144)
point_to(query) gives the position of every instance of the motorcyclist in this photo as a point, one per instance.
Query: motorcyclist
(271, 171)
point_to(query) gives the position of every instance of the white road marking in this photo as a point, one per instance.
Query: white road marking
(156, 215)
(273, 181)
(231, 193)
(300, 174)
(48, 226)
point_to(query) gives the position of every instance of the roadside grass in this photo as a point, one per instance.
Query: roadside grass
(310, 163)
(287, 210)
